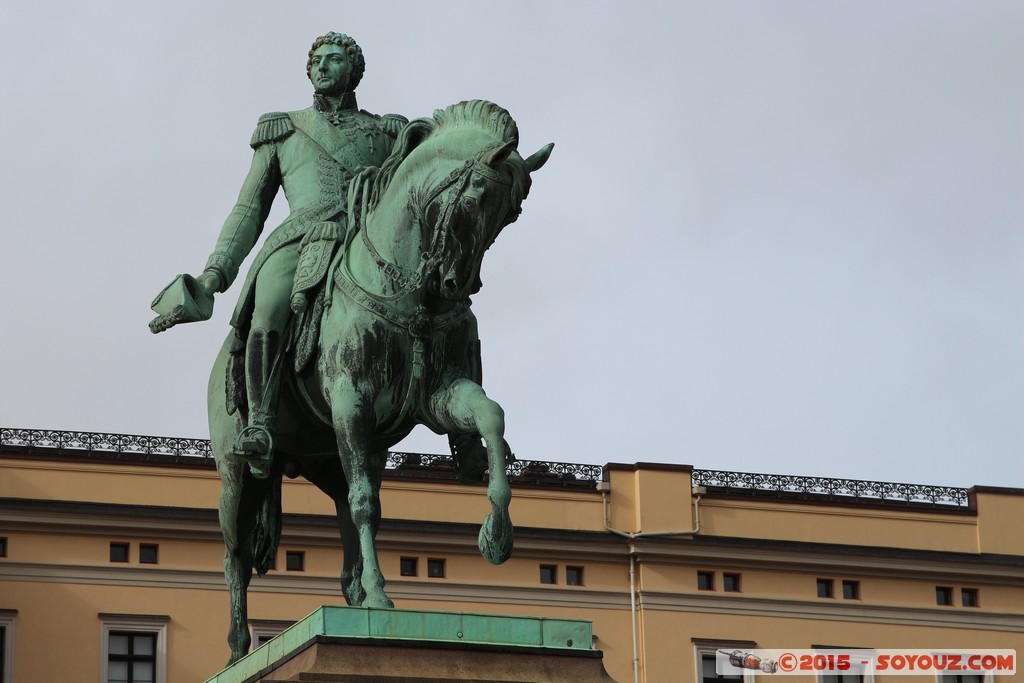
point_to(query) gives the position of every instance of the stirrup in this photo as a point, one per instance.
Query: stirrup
(255, 444)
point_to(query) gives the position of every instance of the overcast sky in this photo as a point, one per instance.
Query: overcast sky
(773, 236)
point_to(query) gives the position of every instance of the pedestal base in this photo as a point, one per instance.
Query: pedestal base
(359, 645)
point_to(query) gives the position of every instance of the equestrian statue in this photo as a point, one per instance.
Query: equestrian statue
(354, 322)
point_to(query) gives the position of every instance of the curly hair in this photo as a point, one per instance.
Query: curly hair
(352, 49)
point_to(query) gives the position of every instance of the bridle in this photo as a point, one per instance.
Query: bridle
(456, 183)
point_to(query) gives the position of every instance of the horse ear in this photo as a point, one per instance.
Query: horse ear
(499, 155)
(540, 157)
(415, 132)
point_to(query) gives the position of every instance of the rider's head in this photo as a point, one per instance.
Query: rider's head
(355, 56)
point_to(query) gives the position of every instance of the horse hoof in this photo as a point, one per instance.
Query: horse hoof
(495, 539)
(379, 601)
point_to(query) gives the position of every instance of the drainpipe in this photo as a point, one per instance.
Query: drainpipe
(604, 487)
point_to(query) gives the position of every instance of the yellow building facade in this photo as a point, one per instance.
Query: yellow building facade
(110, 560)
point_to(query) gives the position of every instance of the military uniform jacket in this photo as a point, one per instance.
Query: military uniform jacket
(314, 160)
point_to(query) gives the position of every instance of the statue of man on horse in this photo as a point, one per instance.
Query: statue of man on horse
(354, 322)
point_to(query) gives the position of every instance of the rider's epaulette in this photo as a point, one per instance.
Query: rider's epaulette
(271, 127)
(393, 123)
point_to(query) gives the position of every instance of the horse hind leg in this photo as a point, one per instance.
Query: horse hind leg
(238, 509)
(464, 407)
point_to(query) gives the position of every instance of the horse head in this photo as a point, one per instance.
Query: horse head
(453, 182)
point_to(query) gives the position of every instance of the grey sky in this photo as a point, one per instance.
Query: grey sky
(773, 236)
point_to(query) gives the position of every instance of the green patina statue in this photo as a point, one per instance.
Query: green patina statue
(354, 322)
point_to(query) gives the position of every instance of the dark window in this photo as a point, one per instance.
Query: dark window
(148, 553)
(131, 657)
(574, 576)
(706, 581)
(943, 595)
(825, 588)
(731, 583)
(549, 573)
(708, 674)
(961, 678)
(851, 590)
(407, 566)
(435, 568)
(3, 547)
(841, 678)
(295, 561)
(969, 597)
(118, 552)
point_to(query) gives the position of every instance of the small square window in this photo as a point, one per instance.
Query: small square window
(731, 583)
(549, 573)
(706, 581)
(851, 590)
(969, 597)
(407, 566)
(295, 561)
(825, 588)
(574, 576)
(118, 552)
(943, 595)
(3, 547)
(435, 568)
(148, 553)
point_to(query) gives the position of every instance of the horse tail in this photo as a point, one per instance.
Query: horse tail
(267, 534)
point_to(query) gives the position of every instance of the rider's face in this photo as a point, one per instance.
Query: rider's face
(329, 70)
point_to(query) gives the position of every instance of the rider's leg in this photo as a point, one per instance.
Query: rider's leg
(263, 348)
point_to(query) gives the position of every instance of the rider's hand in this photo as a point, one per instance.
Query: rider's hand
(210, 282)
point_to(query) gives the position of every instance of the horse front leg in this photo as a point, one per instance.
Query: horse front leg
(352, 419)
(238, 508)
(464, 407)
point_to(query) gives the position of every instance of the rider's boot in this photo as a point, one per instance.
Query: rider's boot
(255, 443)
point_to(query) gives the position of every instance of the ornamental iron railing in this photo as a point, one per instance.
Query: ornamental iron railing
(521, 471)
(835, 489)
(406, 464)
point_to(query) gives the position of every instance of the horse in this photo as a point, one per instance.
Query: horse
(395, 330)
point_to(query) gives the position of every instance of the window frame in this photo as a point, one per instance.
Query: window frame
(260, 628)
(7, 619)
(553, 568)
(705, 574)
(948, 591)
(433, 562)
(155, 547)
(854, 585)
(735, 578)
(135, 623)
(300, 555)
(702, 648)
(579, 578)
(127, 552)
(866, 677)
(415, 562)
(831, 588)
(975, 597)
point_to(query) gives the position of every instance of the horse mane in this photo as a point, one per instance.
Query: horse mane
(476, 113)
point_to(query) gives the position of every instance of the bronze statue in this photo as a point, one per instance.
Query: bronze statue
(354, 324)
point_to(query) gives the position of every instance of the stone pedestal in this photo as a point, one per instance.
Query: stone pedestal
(361, 645)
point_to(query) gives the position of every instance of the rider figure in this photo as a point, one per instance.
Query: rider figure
(313, 154)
